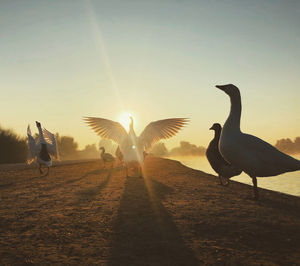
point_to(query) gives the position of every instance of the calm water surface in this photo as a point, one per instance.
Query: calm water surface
(287, 183)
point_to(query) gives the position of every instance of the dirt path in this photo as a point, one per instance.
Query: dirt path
(86, 214)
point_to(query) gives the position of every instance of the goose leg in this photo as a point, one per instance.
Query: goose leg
(40, 168)
(227, 182)
(221, 181)
(255, 191)
(48, 168)
(220, 178)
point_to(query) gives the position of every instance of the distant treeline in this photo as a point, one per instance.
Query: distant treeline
(288, 146)
(14, 149)
(185, 149)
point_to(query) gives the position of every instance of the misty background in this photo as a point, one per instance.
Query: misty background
(14, 148)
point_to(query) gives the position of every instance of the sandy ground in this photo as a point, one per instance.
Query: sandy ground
(86, 213)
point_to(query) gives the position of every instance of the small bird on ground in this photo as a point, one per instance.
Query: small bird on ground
(106, 157)
(224, 169)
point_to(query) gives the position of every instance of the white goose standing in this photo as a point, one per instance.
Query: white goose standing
(42, 148)
(131, 146)
(254, 156)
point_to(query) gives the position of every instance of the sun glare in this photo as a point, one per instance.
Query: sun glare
(124, 120)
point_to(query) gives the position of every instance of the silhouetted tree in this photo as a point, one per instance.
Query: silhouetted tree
(288, 146)
(13, 149)
(159, 149)
(90, 151)
(67, 146)
(187, 149)
(297, 144)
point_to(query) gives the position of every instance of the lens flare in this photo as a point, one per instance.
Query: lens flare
(124, 120)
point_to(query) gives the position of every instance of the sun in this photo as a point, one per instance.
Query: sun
(124, 120)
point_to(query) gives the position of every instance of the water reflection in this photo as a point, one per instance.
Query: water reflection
(287, 183)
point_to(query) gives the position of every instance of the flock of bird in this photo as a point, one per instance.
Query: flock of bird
(229, 153)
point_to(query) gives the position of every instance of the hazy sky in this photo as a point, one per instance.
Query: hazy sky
(61, 60)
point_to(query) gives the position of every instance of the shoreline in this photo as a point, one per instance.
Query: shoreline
(88, 213)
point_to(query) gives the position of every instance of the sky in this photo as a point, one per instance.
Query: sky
(61, 60)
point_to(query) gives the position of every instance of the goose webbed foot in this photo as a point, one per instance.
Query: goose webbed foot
(223, 183)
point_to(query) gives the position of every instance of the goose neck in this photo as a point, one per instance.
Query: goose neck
(41, 135)
(217, 135)
(234, 117)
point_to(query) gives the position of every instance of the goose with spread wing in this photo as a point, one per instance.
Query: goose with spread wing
(131, 145)
(42, 148)
(254, 156)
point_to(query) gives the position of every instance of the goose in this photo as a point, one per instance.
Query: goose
(131, 145)
(251, 154)
(41, 149)
(216, 160)
(106, 157)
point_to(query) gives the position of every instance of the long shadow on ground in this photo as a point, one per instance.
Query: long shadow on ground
(144, 232)
(90, 193)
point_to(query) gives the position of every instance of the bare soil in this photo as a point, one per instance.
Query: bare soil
(88, 213)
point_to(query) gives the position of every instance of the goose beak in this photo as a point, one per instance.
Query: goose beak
(221, 87)
(211, 128)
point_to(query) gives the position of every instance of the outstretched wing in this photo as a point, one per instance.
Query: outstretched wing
(33, 147)
(161, 129)
(107, 129)
(51, 143)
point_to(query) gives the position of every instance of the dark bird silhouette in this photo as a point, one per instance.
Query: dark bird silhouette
(106, 157)
(224, 169)
(254, 156)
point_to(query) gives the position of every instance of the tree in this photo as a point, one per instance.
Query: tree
(288, 146)
(159, 149)
(13, 149)
(188, 149)
(285, 145)
(297, 144)
(67, 146)
(90, 151)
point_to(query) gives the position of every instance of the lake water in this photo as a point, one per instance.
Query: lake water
(288, 183)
